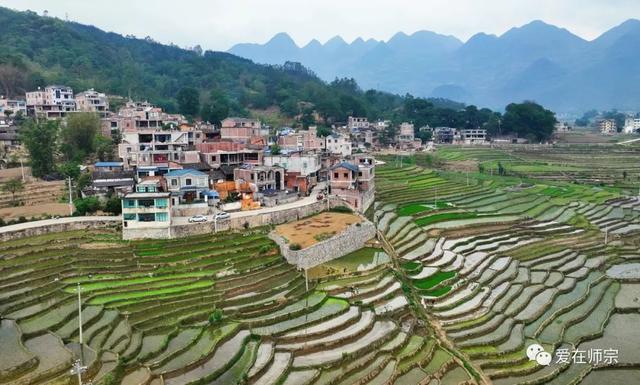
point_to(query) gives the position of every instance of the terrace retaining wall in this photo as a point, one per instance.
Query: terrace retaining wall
(255, 219)
(31, 229)
(351, 239)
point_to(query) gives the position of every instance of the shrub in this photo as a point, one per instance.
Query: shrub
(341, 209)
(295, 246)
(215, 317)
(86, 206)
(113, 206)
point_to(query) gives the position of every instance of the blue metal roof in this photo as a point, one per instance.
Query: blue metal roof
(108, 164)
(346, 165)
(212, 194)
(185, 171)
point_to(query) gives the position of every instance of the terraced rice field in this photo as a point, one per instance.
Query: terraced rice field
(148, 314)
(503, 266)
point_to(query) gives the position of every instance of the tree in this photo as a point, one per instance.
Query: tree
(529, 120)
(216, 109)
(78, 136)
(86, 206)
(113, 206)
(275, 149)
(39, 137)
(69, 169)
(323, 132)
(13, 186)
(104, 148)
(188, 101)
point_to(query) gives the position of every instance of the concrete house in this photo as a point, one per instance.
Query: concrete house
(92, 101)
(52, 102)
(301, 169)
(146, 213)
(187, 186)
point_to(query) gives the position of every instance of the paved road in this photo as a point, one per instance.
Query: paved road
(242, 214)
(48, 222)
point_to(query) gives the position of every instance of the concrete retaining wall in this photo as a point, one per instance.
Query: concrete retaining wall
(54, 226)
(351, 239)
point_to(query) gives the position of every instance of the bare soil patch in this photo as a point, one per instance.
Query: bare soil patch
(8, 213)
(309, 231)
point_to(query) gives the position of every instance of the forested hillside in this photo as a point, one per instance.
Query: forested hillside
(36, 51)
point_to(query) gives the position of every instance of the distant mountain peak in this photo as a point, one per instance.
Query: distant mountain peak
(336, 40)
(281, 38)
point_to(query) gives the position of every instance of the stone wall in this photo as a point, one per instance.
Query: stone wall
(57, 227)
(351, 239)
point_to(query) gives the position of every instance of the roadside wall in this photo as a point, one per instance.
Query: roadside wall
(351, 239)
(254, 219)
(58, 227)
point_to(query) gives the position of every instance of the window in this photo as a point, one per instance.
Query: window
(161, 203)
(129, 217)
(187, 182)
(129, 203)
(360, 173)
(162, 217)
(146, 217)
(346, 174)
(146, 203)
(335, 175)
(174, 182)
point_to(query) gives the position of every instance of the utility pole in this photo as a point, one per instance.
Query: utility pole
(80, 315)
(78, 368)
(70, 199)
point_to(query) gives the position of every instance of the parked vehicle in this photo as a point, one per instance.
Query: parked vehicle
(198, 219)
(222, 215)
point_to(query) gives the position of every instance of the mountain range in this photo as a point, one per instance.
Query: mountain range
(537, 61)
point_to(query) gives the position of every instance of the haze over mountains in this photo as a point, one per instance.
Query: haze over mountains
(537, 61)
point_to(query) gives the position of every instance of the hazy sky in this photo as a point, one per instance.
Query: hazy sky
(218, 24)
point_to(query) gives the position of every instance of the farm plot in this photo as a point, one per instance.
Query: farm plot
(216, 309)
(507, 266)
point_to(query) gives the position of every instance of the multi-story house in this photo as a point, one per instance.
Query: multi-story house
(354, 181)
(243, 130)
(608, 126)
(187, 186)
(444, 134)
(632, 125)
(53, 102)
(264, 177)
(92, 101)
(301, 141)
(475, 136)
(146, 213)
(10, 107)
(355, 123)
(406, 132)
(151, 139)
(219, 154)
(301, 169)
(338, 144)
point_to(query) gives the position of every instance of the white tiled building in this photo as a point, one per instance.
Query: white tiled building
(52, 102)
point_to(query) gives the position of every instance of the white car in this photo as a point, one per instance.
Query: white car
(222, 215)
(198, 219)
